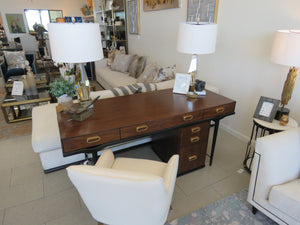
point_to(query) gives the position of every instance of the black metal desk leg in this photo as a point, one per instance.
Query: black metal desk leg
(214, 141)
(94, 158)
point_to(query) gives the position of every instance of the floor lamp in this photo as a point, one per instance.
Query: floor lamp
(196, 39)
(76, 43)
(286, 51)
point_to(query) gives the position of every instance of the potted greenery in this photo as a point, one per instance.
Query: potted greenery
(70, 74)
(62, 89)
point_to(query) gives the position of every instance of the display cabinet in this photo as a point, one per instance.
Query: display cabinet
(111, 16)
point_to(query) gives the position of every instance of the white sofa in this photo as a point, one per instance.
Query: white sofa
(109, 79)
(275, 179)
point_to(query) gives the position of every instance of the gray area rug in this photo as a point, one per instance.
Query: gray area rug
(232, 210)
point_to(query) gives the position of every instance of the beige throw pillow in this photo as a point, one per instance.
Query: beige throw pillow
(137, 66)
(133, 66)
(141, 66)
(121, 63)
(165, 73)
(111, 56)
(149, 73)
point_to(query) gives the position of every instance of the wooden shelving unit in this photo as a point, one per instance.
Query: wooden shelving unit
(112, 20)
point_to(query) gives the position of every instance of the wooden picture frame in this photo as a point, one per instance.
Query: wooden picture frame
(151, 5)
(205, 10)
(133, 7)
(15, 23)
(266, 109)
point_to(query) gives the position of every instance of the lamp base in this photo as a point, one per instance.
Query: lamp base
(83, 86)
(191, 93)
(280, 112)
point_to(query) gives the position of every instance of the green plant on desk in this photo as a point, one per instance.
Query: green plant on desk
(70, 72)
(61, 87)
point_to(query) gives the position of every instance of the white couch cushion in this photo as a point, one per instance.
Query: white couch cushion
(286, 198)
(114, 78)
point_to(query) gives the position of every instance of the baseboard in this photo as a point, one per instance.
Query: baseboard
(235, 133)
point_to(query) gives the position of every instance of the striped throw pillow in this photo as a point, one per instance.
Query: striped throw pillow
(133, 89)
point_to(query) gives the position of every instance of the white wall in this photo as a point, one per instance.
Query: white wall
(69, 7)
(241, 66)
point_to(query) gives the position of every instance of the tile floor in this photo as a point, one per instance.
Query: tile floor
(30, 197)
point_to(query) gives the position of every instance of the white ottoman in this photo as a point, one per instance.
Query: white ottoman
(46, 139)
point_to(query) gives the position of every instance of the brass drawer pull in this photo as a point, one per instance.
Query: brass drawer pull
(196, 129)
(93, 139)
(188, 117)
(195, 139)
(192, 158)
(141, 128)
(220, 110)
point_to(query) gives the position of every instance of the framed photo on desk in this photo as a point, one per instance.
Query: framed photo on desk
(266, 109)
(182, 83)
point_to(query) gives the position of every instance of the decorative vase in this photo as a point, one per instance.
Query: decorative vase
(31, 82)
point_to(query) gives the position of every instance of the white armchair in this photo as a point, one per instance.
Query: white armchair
(275, 179)
(126, 191)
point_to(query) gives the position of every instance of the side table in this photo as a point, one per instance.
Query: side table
(259, 129)
(18, 108)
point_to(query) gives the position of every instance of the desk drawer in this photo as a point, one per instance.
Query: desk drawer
(86, 141)
(139, 129)
(192, 157)
(194, 133)
(151, 126)
(220, 110)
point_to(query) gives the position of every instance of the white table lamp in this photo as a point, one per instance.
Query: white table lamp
(196, 39)
(286, 51)
(76, 43)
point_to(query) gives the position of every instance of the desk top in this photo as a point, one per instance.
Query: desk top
(121, 117)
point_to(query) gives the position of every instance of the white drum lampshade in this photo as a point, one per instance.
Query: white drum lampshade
(75, 43)
(286, 48)
(196, 38)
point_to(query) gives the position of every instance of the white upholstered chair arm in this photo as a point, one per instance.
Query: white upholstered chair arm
(171, 173)
(277, 160)
(106, 159)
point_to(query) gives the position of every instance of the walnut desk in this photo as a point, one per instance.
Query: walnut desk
(176, 125)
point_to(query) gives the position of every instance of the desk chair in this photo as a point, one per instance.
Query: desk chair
(125, 191)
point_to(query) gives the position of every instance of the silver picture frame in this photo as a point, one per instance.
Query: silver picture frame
(133, 16)
(202, 11)
(266, 109)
